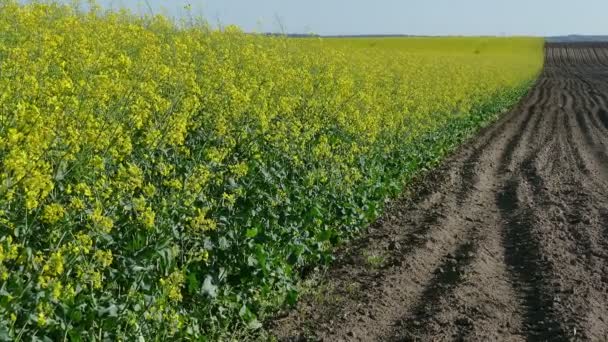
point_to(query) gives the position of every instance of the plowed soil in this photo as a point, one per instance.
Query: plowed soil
(507, 241)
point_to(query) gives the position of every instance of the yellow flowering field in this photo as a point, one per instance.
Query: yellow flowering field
(164, 180)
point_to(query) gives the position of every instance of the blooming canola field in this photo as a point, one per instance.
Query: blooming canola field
(164, 179)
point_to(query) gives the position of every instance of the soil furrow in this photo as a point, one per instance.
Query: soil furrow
(470, 164)
(447, 277)
(526, 266)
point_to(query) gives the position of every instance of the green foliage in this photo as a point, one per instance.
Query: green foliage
(171, 182)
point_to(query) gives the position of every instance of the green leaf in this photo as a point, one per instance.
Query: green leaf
(193, 283)
(208, 287)
(75, 335)
(292, 297)
(111, 311)
(254, 324)
(251, 233)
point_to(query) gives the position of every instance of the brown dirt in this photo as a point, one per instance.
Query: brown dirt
(507, 241)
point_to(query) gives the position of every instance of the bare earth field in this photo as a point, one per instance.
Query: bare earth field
(507, 241)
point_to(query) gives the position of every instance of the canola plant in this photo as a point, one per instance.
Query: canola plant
(170, 180)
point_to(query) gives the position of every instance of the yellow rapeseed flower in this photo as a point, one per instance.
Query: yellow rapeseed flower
(52, 213)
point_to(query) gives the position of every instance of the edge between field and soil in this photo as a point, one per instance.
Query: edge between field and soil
(316, 288)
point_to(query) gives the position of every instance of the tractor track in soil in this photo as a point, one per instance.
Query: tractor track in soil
(506, 241)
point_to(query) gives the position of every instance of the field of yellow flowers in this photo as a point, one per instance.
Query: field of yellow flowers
(168, 180)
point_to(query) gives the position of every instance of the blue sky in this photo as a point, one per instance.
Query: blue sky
(423, 17)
